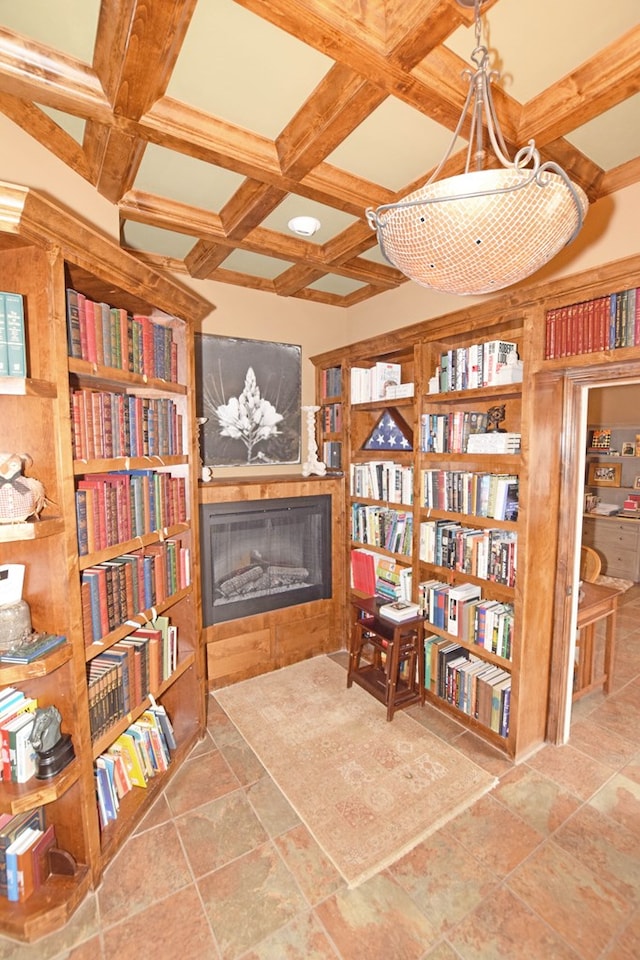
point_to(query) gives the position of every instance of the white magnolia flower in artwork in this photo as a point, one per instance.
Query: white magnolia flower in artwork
(249, 417)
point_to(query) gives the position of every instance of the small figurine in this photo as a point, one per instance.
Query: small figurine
(54, 750)
(495, 415)
(20, 497)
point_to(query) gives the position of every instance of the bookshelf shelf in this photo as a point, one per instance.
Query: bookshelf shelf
(20, 797)
(46, 252)
(31, 530)
(25, 387)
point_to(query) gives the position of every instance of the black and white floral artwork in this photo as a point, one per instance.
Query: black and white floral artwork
(249, 392)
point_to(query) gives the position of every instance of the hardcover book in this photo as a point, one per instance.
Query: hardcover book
(399, 611)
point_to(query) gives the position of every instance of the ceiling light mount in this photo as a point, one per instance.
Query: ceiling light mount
(304, 226)
(484, 229)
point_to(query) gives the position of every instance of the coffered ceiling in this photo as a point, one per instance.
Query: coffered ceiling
(210, 123)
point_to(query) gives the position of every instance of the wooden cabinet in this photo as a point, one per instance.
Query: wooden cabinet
(43, 251)
(617, 541)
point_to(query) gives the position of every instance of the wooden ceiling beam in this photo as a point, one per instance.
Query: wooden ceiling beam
(142, 207)
(34, 72)
(42, 128)
(249, 206)
(602, 82)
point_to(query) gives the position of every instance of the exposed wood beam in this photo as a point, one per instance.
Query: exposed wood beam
(42, 128)
(33, 71)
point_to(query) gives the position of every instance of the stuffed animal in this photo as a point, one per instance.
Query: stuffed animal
(20, 497)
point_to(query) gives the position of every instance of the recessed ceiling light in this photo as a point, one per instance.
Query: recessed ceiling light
(304, 226)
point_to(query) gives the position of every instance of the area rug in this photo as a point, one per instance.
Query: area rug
(368, 790)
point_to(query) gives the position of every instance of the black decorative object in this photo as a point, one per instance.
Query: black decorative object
(495, 415)
(54, 750)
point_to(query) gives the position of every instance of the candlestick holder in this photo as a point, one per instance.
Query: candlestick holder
(312, 464)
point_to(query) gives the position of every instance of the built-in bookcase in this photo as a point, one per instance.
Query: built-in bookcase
(43, 252)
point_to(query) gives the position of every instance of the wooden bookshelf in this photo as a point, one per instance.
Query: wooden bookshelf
(43, 251)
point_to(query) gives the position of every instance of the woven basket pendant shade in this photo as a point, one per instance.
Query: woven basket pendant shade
(481, 243)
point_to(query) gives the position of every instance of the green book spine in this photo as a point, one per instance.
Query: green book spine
(16, 351)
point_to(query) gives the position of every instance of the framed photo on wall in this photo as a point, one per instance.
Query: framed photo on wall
(604, 474)
(248, 392)
(628, 449)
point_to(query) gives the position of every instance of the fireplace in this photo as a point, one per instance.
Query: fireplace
(263, 555)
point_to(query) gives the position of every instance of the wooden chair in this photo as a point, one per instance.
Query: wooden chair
(590, 564)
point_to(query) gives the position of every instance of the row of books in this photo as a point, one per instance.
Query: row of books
(375, 383)
(331, 418)
(382, 527)
(450, 432)
(25, 842)
(462, 612)
(489, 554)
(118, 425)
(112, 508)
(604, 323)
(478, 365)
(382, 480)
(331, 382)
(136, 756)
(17, 756)
(13, 357)
(493, 495)
(332, 454)
(120, 678)
(117, 590)
(111, 337)
(477, 688)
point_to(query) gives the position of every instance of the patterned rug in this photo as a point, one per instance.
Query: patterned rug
(368, 790)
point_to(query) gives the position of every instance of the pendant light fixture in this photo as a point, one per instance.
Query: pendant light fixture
(484, 229)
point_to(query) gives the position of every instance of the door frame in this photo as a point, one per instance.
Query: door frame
(576, 383)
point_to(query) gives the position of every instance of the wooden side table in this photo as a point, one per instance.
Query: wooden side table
(386, 658)
(598, 603)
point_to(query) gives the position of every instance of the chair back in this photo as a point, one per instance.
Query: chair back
(590, 564)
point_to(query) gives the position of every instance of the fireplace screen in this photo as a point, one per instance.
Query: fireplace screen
(263, 555)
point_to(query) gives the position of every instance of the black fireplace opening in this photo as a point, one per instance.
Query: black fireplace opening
(263, 555)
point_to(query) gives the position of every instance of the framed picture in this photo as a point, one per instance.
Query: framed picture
(628, 449)
(604, 474)
(248, 399)
(636, 483)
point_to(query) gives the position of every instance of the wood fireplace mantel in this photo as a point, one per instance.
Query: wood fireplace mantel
(246, 647)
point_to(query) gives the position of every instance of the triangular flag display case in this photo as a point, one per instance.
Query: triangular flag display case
(391, 434)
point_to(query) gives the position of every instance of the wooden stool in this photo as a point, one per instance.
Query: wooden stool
(385, 658)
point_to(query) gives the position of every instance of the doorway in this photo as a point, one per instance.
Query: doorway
(578, 384)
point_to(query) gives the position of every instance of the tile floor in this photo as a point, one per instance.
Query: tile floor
(545, 867)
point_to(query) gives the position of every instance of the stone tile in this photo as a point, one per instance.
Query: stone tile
(621, 715)
(626, 945)
(275, 812)
(179, 928)
(124, 891)
(438, 723)
(199, 781)
(376, 921)
(443, 879)
(242, 761)
(494, 835)
(606, 847)
(203, 746)
(302, 939)
(70, 941)
(316, 875)
(620, 800)
(632, 769)
(249, 899)
(502, 926)
(220, 727)
(571, 768)
(159, 813)
(539, 801)
(600, 744)
(218, 832)
(571, 898)
(442, 952)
